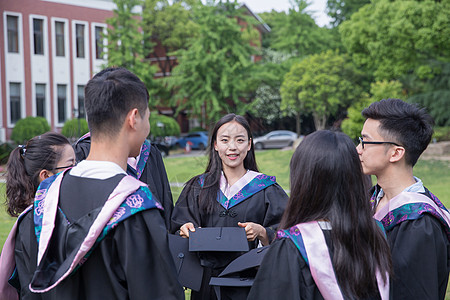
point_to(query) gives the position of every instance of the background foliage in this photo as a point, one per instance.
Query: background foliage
(28, 128)
(161, 125)
(75, 128)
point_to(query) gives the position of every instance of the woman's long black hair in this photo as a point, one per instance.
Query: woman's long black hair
(210, 189)
(24, 165)
(327, 183)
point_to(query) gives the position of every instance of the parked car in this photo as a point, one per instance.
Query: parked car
(198, 140)
(275, 139)
(170, 141)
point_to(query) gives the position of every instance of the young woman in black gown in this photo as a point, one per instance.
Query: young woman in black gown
(230, 193)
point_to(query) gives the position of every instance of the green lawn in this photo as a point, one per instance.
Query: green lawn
(435, 175)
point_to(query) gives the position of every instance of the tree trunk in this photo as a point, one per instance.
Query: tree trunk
(319, 121)
(298, 122)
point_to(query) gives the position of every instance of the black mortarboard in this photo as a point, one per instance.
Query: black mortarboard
(239, 273)
(218, 239)
(246, 261)
(187, 264)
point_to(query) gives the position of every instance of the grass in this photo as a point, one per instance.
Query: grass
(434, 173)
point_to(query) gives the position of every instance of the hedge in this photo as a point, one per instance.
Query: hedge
(28, 128)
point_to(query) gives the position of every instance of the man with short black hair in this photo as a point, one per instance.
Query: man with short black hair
(100, 232)
(417, 224)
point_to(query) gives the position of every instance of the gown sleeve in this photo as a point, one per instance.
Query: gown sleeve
(420, 256)
(275, 200)
(283, 274)
(156, 178)
(186, 209)
(142, 241)
(25, 256)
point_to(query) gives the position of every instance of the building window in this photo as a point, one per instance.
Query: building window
(40, 100)
(38, 31)
(13, 34)
(99, 42)
(59, 39)
(14, 99)
(81, 111)
(62, 100)
(80, 40)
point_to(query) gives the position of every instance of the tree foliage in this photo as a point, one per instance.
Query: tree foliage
(75, 128)
(267, 77)
(127, 43)
(161, 125)
(341, 10)
(27, 128)
(393, 38)
(352, 126)
(296, 32)
(320, 84)
(434, 94)
(168, 25)
(213, 69)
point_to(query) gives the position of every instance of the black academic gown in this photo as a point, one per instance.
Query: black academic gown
(284, 274)
(420, 257)
(154, 175)
(265, 208)
(131, 262)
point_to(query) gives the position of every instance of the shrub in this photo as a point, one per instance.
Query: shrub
(28, 128)
(441, 134)
(170, 127)
(5, 150)
(75, 128)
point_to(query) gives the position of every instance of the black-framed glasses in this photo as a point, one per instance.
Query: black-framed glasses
(72, 165)
(376, 143)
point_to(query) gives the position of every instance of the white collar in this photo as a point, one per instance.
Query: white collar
(230, 191)
(416, 187)
(96, 169)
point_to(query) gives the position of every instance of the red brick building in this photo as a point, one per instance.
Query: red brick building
(49, 49)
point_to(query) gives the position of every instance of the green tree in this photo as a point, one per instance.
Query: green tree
(320, 84)
(341, 10)
(212, 71)
(161, 125)
(352, 126)
(168, 25)
(75, 128)
(171, 25)
(297, 33)
(267, 76)
(127, 43)
(434, 93)
(394, 38)
(27, 128)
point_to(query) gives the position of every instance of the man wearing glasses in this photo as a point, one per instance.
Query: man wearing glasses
(417, 224)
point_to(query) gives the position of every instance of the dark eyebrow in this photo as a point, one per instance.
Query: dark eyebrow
(364, 135)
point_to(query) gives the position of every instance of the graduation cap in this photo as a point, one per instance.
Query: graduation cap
(224, 239)
(233, 275)
(187, 264)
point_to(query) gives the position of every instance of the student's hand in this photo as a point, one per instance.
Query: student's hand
(184, 230)
(254, 231)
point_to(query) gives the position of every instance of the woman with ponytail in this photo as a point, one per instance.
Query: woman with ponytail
(329, 246)
(28, 165)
